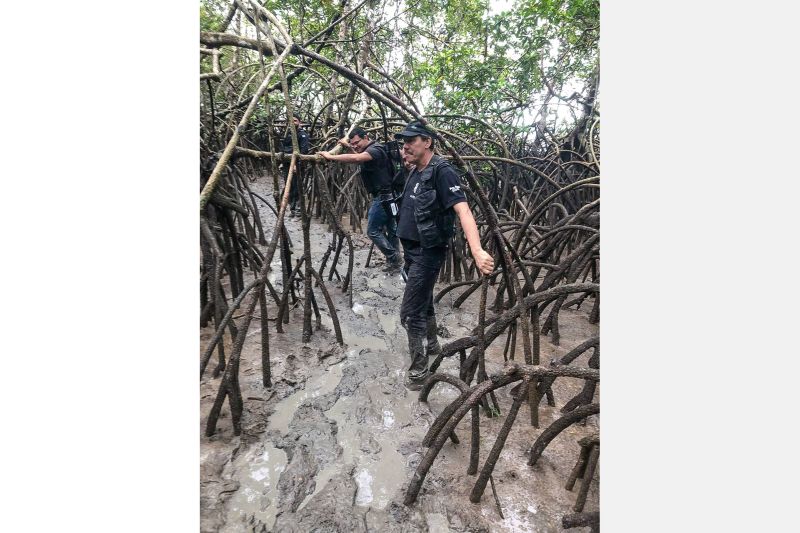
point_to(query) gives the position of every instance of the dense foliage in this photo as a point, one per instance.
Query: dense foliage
(535, 61)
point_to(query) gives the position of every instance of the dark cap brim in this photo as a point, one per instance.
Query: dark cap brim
(405, 133)
(413, 131)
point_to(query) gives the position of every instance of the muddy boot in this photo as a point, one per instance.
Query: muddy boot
(393, 265)
(418, 371)
(433, 343)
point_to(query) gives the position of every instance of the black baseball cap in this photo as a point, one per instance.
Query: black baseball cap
(413, 129)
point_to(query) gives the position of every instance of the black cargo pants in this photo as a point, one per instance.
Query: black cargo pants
(422, 268)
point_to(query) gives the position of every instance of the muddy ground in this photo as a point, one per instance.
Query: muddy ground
(333, 444)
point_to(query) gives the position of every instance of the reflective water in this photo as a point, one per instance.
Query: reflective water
(316, 386)
(258, 472)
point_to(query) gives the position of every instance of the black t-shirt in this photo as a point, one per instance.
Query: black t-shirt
(375, 173)
(448, 193)
(302, 140)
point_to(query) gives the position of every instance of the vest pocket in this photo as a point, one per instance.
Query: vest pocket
(424, 203)
(429, 234)
(425, 209)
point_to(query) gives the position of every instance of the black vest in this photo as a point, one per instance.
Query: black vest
(434, 224)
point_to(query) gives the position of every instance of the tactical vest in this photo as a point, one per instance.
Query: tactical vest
(302, 142)
(434, 224)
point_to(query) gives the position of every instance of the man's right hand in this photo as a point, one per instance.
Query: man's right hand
(484, 262)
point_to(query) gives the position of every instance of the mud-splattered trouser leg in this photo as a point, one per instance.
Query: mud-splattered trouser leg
(377, 220)
(422, 268)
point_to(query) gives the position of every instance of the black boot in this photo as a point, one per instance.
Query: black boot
(433, 344)
(419, 362)
(394, 264)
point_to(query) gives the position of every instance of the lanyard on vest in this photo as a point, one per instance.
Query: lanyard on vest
(434, 172)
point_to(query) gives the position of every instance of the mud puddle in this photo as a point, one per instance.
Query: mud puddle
(315, 387)
(381, 471)
(258, 472)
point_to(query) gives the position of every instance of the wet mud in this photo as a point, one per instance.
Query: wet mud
(333, 444)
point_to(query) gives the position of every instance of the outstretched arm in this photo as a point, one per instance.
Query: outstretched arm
(483, 260)
(363, 157)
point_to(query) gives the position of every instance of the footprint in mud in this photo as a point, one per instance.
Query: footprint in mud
(254, 502)
(315, 387)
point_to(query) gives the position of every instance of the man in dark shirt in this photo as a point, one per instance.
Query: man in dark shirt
(373, 157)
(431, 200)
(286, 146)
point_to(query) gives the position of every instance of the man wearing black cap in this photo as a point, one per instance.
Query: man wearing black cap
(431, 200)
(286, 147)
(375, 175)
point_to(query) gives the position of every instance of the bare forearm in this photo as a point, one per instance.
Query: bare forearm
(346, 158)
(469, 226)
(342, 147)
(483, 260)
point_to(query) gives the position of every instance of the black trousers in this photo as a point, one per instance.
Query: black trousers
(422, 268)
(294, 188)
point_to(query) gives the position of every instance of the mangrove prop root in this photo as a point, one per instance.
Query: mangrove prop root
(446, 422)
(496, 499)
(591, 520)
(221, 327)
(499, 325)
(430, 382)
(557, 427)
(266, 371)
(472, 398)
(591, 465)
(584, 397)
(331, 308)
(475, 442)
(578, 469)
(494, 454)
